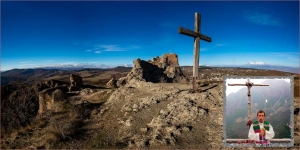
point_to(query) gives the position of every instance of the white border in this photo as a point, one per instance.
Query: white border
(291, 144)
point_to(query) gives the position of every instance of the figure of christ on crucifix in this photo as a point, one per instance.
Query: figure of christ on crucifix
(197, 36)
(249, 85)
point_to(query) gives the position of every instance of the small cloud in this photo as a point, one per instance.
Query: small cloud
(257, 63)
(262, 19)
(88, 50)
(127, 65)
(114, 48)
(238, 120)
(97, 52)
(107, 47)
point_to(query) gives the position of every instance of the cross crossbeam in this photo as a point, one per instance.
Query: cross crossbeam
(249, 85)
(188, 32)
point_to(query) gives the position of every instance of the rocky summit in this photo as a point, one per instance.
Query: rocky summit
(164, 115)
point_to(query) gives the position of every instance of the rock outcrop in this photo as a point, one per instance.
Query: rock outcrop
(122, 81)
(76, 82)
(49, 97)
(165, 70)
(112, 82)
(21, 103)
(49, 84)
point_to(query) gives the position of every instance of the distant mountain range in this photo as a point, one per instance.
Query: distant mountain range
(31, 75)
(279, 100)
(75, 66)
(81, 66)
(103, 66)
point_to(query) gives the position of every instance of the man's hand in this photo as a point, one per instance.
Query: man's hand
(262, 132)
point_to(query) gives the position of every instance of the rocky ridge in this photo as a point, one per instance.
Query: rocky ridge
(138, 114)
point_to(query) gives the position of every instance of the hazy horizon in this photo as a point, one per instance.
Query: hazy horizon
(95, 33)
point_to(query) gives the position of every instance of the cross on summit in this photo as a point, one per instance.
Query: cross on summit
(197, 36)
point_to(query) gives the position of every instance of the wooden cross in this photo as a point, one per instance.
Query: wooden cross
(249, 85)
(197, 36)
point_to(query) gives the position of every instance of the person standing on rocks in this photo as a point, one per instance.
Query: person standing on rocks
(261, 130)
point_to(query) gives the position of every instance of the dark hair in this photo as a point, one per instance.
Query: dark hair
(261, 111)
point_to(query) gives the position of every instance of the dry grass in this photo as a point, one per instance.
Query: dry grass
(101, 97)
(64, 78)
(49, 131)
(85, 74)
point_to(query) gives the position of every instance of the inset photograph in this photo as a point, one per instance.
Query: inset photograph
(258, 111)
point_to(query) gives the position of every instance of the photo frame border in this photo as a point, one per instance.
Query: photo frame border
(291, 144)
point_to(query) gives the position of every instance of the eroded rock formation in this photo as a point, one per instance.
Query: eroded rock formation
(165, 69)
(112, 82)
(76, 82)
(48, 97)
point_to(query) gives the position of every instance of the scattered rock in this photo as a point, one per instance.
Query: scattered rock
(86, 91)
(135, 106)
(144, 130)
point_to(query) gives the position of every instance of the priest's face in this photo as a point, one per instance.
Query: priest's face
(261, 117)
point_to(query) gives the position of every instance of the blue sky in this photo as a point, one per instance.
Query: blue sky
(115, 33)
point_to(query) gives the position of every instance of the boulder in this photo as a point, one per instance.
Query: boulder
(76, 82)
(48, 97)
(112, 82)
(165, 69)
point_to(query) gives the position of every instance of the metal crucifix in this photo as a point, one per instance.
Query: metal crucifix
(197, 36)
(249, 85)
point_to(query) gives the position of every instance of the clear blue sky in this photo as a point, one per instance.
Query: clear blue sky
(116, 33)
